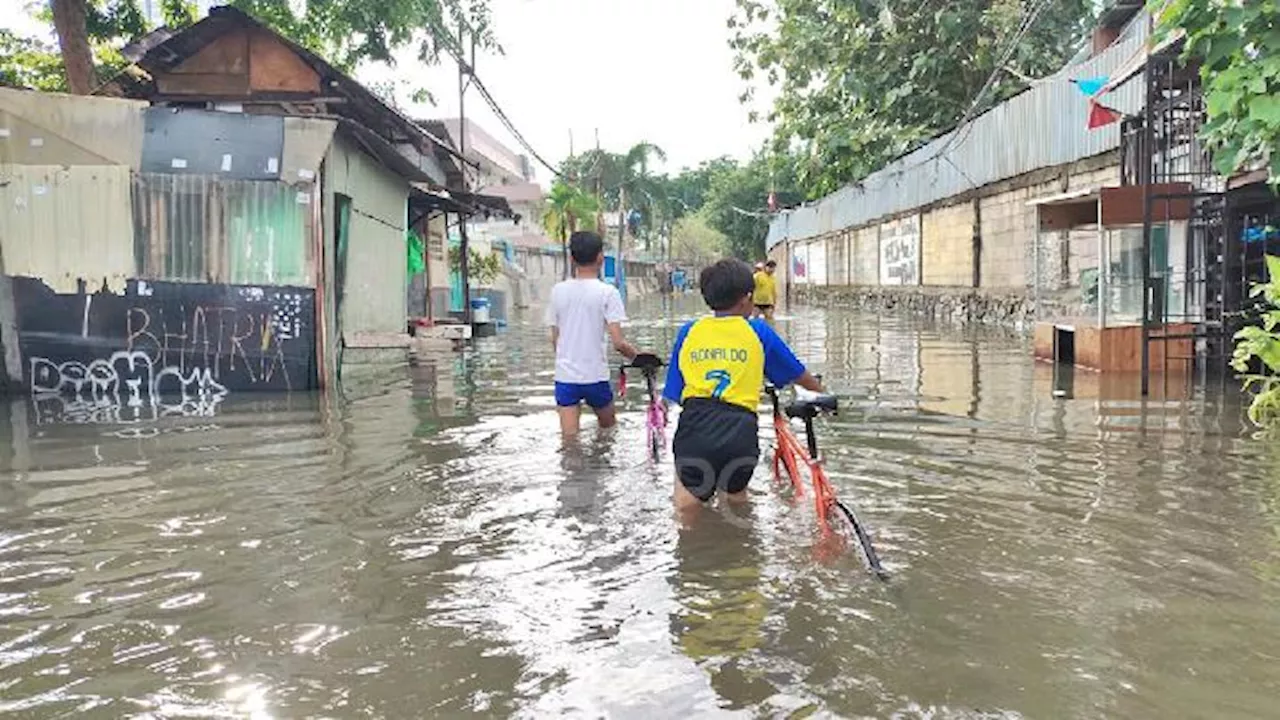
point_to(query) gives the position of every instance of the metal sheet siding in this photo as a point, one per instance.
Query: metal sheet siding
(197, 228)
(67, 224)
(233, 145)
(53, 129)
(1044, 127)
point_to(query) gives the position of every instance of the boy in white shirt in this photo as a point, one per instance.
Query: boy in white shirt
(581, 311)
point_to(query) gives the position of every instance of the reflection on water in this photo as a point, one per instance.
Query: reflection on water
(425, 546)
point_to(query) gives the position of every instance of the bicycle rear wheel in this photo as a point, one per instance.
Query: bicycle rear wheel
(853, 529)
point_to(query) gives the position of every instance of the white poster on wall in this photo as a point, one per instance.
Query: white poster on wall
(800, 265)
(900, 251)
(818, 263)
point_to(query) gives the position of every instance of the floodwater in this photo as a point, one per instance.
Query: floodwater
(424, 547)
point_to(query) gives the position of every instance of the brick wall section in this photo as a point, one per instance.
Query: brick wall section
(1014, 252)
(947, 246)
(866, 256)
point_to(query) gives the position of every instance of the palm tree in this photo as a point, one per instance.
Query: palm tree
(566, 208)
(634, 181)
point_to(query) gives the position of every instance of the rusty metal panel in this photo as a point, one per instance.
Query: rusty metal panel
(197, 142)
(1044, 127)
(51, 129)
(198, 228)
(64, 225)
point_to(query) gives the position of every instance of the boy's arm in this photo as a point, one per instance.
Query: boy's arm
(620, 343)
(673, 388)
(549, 317)
(781, 366)
(809, 382)
(614, 314)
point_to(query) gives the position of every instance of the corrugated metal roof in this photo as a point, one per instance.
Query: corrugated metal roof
(1045, 126)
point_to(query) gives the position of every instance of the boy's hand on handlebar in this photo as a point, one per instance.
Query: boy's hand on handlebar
(811, 383)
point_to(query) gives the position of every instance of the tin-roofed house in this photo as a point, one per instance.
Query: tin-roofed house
(233, 219)
(355, 158)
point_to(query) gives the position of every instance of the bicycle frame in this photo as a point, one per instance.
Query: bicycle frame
(788, 453)
(655, 418)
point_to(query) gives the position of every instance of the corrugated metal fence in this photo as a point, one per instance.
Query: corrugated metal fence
(201, 228)
(1044, 127)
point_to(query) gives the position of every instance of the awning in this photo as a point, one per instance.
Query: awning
(1113, 206)
(424, 200)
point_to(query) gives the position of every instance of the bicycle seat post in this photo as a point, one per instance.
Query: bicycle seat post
(810, 436)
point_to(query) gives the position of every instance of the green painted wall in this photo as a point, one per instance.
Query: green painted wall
(375, 298)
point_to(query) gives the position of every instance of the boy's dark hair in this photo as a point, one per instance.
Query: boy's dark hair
(772, 264)
(585, 246)
(726, 283)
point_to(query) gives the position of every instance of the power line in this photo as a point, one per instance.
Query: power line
(454, 48)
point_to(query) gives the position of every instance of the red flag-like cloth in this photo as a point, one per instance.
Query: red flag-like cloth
(1100, 115)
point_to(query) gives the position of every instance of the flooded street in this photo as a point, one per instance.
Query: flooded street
(425, 547)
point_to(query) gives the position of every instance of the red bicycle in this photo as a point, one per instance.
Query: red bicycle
(789, 454)
(656, 418)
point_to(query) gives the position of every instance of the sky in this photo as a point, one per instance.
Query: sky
(656, 70)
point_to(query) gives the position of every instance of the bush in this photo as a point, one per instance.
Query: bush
(481, 268)
(1257, 353)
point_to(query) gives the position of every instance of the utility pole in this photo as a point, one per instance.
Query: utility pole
(464, 75)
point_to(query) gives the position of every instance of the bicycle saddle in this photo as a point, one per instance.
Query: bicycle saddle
(645, 361)
(811, 405)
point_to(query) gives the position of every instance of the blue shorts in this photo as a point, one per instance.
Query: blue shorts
(596, 395)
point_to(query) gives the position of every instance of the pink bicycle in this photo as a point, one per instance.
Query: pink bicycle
(656, 418)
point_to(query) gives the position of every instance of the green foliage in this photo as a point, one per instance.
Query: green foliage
(1238, 44)
(693, 240)
(736, 201)
(345, 32)
(1257, 353)
(482, 268)
(567, 208)
(861, 82)
(29, 63)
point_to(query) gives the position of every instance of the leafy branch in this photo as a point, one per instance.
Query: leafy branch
(1257, 353)
(1238, 46)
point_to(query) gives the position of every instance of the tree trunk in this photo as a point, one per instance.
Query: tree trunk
(73, 39)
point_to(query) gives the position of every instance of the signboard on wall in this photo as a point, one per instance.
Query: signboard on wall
(900, 251)
(800, 265)
(818, 263)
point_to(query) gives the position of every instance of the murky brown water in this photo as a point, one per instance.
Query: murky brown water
(425, 548)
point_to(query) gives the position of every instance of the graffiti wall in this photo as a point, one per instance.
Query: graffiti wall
(160, 348)
(900, 251)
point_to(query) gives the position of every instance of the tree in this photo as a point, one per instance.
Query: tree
(637, 185)
(567, 207)
(737, 197)
(694, 241)
(863, 81)
(29, 63)
(346, 32)
(1238, 45)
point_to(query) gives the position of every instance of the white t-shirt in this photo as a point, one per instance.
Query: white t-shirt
(581, 309)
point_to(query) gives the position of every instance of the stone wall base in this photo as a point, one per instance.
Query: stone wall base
(1013, 310)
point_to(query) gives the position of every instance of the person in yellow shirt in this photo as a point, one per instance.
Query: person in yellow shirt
(717, 370)
(766, 291)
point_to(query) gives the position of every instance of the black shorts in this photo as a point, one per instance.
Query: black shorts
(716, 446)
(764, 307)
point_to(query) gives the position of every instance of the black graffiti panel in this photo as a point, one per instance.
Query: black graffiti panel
(163, 340)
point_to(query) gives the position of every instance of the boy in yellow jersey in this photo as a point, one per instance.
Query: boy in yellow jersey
(766, 292)
(718, 367)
